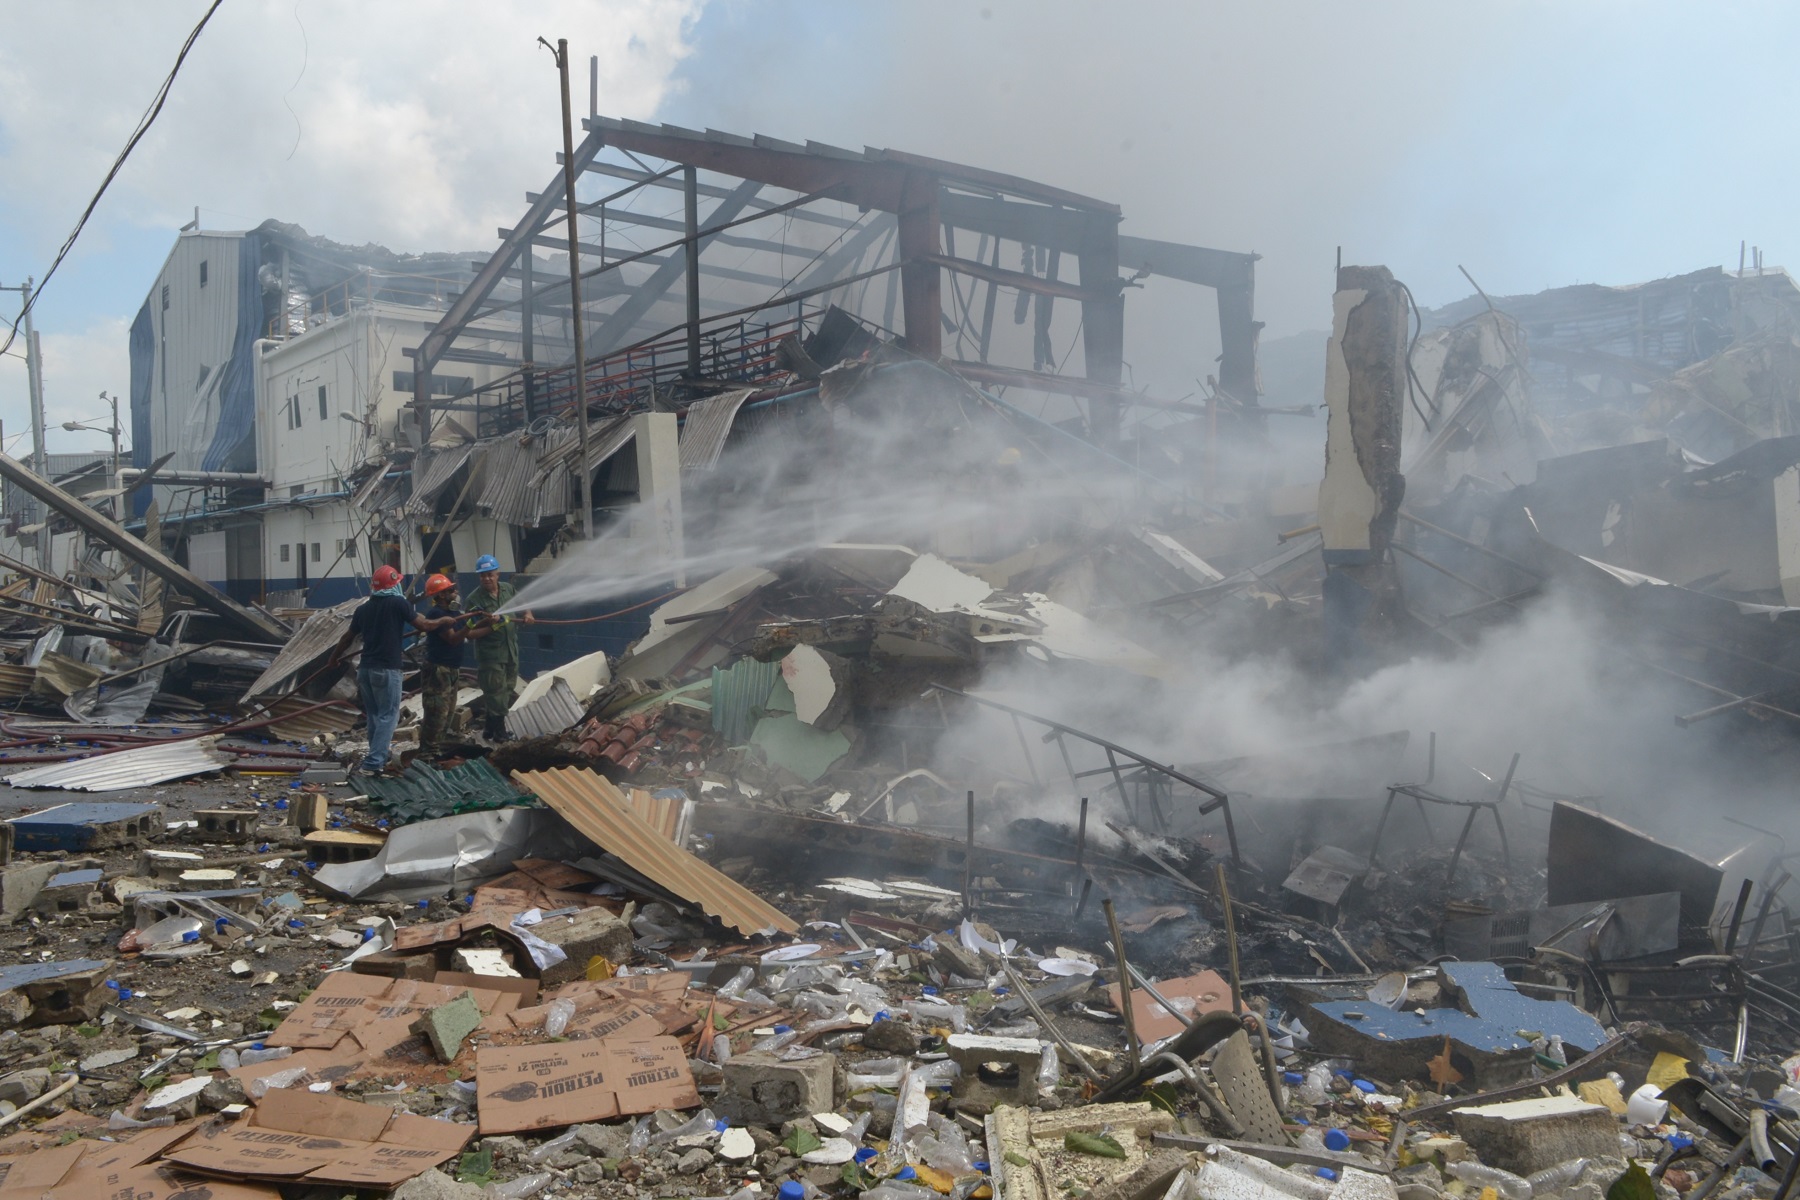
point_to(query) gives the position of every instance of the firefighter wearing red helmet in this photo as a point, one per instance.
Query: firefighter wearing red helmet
(381, 622)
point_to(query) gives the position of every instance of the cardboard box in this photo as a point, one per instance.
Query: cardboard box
(316, 1138)
(334, 1008)
(86, 1169)
(547, 1086)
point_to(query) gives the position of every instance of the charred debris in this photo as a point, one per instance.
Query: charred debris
(886, 856)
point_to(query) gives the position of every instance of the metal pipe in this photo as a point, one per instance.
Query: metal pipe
(583, 482)
(1043, 1018)
(1737, 914)
(1759, 1139)
(1133, 1050)
(969, 862)
(1231, 943)
(1220, 1110)
(1719, 1172)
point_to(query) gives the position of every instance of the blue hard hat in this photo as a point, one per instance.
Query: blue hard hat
(487, 562)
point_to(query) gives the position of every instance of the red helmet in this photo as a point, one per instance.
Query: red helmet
(385, 576)
(438, 583)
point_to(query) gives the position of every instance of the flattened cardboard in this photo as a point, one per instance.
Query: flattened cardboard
(666, 984)
(321, 1138)
(620, 1019)
(542, 1087)
(331, 1066)
(29, 1174)
(334, 1007)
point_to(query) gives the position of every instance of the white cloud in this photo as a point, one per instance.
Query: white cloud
(416, 126)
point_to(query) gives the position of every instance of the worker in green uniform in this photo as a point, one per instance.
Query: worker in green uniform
(496, 654)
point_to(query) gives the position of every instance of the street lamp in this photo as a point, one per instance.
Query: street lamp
(114, 430)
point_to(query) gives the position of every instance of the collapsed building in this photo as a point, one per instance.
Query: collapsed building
(871, 722)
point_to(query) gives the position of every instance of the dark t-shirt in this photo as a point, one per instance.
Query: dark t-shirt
(383, 621)
(439, 649)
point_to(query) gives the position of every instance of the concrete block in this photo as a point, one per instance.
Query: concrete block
(308, 812)
(995, 1070)
(761, 1089)
(20, 885)
(447, 1025)
(225, 824)
(1525, 1136)
(581, 936)
(70, 892)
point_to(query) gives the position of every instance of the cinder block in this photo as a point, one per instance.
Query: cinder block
(1525, 1136)
(583, 935)
(225, 824)
(761, 1089)
(996, 1070)
(70, 892)
(309, 812)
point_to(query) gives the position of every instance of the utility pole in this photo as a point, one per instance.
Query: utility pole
(34, 374)
(561, 50)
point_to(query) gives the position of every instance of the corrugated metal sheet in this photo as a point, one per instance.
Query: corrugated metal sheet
(705, 428)
(553, 712)
(424, 792)
(665, 813)
(312, 640)
(603, 443)
(739, 693)
(338, 718)
(601, 813)
(122, 769)
(429, 480)
(15, 681)
(506, 492)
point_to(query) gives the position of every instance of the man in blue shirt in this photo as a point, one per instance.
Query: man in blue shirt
(381, 622)
(443, 662)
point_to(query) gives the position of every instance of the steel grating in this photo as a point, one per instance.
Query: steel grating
(121, 769)
(739, 693)
(601, 813)
(422, 793)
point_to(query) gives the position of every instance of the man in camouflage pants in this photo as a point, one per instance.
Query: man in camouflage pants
(497, 651)
(443, 664)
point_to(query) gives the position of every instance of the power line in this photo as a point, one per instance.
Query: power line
(137, 135)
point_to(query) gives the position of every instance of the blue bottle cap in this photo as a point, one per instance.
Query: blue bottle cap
(721, 1126)
(1292, 1078)
(980, 1166)
(1337, 1139)
(906, 1173)
(257, 1046)
(784, 1029)
(929, 990)
(367, 933)
(791, 1190)
(864, 1154)
(880, 1016)
(1362, 1085)
(192, 935)
(1326, 1173)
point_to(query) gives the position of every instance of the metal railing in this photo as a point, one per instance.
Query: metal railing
(742, 351)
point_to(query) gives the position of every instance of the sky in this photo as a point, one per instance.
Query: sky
(1535, 144)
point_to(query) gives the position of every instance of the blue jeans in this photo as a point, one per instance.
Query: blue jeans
(380, 693)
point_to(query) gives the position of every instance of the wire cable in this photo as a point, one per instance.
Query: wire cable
(137, 135)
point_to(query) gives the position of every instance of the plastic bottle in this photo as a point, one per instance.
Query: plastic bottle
(1479, 1175)
(228, 1059)
(520, 1188)
(557, 1019)
(1049, 1069)
(734, 987)
(721, 1049)
(944, 1146)
(1315, 1087)
(1312, 1140)
(894, 1189)
(783, 1036)
(927, 1013)
(119, 1121)
(875, 1073)
(250, 1058)
(553, 1147)
(701, 1124)
(1551, 1180)
(639, 1141)
(858, 1128)
(258, 1088)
